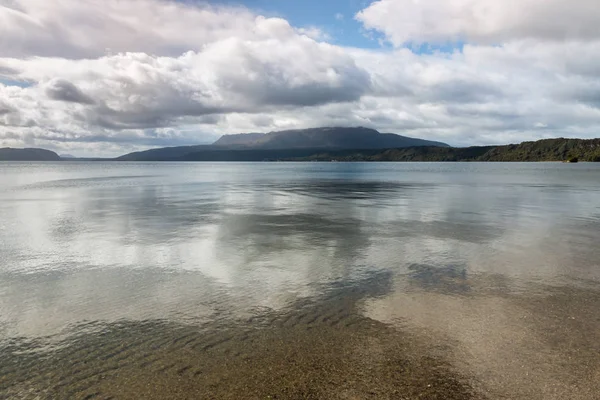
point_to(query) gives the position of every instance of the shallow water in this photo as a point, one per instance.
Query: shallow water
(299, 280)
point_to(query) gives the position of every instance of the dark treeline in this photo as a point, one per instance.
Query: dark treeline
(541, 150)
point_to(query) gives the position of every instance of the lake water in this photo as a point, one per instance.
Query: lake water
(299, 280)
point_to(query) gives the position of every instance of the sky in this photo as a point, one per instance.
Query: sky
(106, 77)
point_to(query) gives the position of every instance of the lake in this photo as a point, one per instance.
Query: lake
(299, 280)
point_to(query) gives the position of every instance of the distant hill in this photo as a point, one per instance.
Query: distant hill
(547, 150)
(163, 153)
(323, 138)
(542, 150)
(305, 141)
(10, 154)
(240, 139)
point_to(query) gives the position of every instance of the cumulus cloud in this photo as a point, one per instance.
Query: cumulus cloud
(137, 90)
(482, 21)
(93, 28)
(182, 72)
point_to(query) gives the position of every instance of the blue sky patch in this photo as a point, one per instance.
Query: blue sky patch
(10, 82)
(334, 17)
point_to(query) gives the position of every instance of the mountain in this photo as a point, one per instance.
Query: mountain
(282, 144)
(323, 138)
(542, 150)
(163, 153)
(240, 139)
(10, 154)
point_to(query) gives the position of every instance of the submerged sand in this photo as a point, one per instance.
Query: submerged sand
(455, 339)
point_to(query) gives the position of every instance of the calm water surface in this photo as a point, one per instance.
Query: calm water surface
(300, 280)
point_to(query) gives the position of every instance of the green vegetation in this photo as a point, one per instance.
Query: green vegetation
(542, 150)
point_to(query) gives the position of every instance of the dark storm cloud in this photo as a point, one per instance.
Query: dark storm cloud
(63, 90)
(6, 109)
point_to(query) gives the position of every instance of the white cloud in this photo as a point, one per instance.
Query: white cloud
(90, 28)
(137, 90)
(314, 33)
(339, 16)
(177, 81)
(482, 21)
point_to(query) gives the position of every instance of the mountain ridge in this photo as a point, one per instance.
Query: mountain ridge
(326, 138)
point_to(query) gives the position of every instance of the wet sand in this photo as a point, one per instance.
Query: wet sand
(536, 342)
(369, 339)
